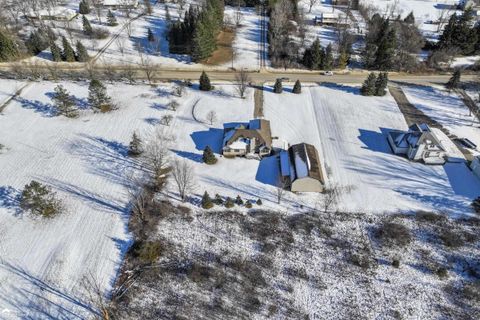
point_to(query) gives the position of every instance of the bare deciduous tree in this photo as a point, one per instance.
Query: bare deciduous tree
(157, 157)
(121, 45)
(311, 3)
(167, 119)
(211, 117)
(280, 189)
(147, 66)
(184, 177)
(329, 198)
(238, 17)
(97, 297)
(241, 84)
(140, 196)
(173, 105)
(97, 5)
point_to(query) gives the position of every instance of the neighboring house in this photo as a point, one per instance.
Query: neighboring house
(331, 19)
(475, 165)
(56, 14)
(120, 4)
(419, 143)
(251, 140)
(300, 169)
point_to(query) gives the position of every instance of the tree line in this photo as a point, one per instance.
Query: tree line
(196, 34)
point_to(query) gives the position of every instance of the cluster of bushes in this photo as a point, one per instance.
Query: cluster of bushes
(278, 87)
(375, 86)
(208, 203)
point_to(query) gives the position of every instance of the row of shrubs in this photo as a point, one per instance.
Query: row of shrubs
(208, 202)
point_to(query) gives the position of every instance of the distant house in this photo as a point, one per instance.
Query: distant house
(251, 140)
(475, 166)
(120, 4)
(56, 14)
(331, 19)
(300, 168)
(419, 143)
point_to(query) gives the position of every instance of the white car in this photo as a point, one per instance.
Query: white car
(328, 73)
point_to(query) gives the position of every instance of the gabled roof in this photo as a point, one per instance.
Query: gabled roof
(306, 162)
(257, 128)
(416, 135)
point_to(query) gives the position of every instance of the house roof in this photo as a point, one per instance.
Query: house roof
(306, 162)
(416, 135)
(257, 128)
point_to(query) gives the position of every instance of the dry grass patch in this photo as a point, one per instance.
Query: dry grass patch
(224, 51)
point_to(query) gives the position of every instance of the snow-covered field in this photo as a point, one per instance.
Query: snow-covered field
(45, 262)
(349, 131)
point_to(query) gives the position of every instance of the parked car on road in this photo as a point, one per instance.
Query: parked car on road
(328, 73)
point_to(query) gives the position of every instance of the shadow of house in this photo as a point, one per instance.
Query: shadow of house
(375, 141)
(213, 138)
(268, 171)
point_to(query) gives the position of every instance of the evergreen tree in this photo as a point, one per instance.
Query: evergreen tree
(218, 200)
(368, 87)
(40, 200)
(239, 201)
(248, 204)
(207, 202)
(328, 58)
(343, 60)
(209, 156)
(205, 82)
(476, 205)
(386, 47)
(84, 7)
(111, 20)
(64, 102)
(87, 27)
(410, 19)
(68, 54)
(297, 88)
(8, 47)
(98, 97)
(82, 54)
(168, 18)
(135, 147)
(316, 56)
(381, 84)
(150, 35)
(229, 203)
(459, 34)
(278, 88)
(56, 52)
(37, 42)
(51, 35)
(454, 81)
(259, 202)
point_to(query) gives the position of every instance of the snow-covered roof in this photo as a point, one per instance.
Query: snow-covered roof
(58, 12)
(306, 163)
(120, 2)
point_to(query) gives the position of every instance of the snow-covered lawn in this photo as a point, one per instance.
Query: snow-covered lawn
(349, 131)
(446, 108)
(84, 160)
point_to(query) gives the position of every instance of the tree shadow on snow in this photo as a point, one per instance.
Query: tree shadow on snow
(45, 109)
(10, 198)
(342, 87)
(189, 155)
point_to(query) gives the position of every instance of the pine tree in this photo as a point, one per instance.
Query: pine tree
(37, 42)
(209, 156)
(64, 102)
(259, 202)
(368, 87)
(229, 203)
(328, 58)
(454, 81)
(386, 47)
(381, 84)
(410, 19)
(8, 48)
(68, 54)
(87, 27)
(343, 60)
(239, 201)
(278, 88)
(82, 54)
(98, 97)
(205, 82)
(150, 35)
(111, 20)
(476, 205)
(317, 53)
(135, 147)
(206, 201)
(56, 52)
(218, 200)
(83, 7)
(297, 88)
